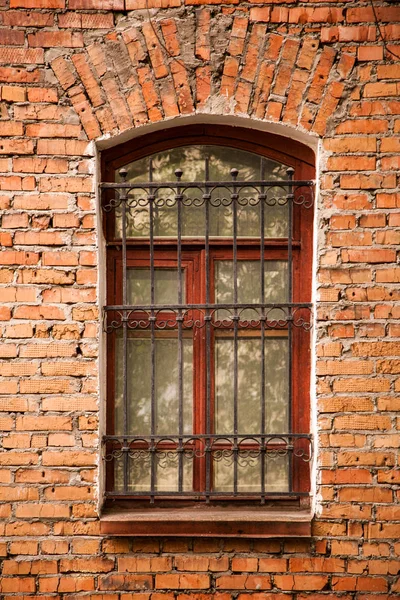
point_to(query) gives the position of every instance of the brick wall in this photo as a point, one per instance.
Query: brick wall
(77, 71)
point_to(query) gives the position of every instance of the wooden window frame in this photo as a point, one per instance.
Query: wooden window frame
(283, 150)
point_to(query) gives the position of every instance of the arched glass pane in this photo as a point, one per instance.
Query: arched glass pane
(199, 163)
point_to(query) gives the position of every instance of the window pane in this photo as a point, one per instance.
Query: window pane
(192, 161)
(249, 370)
(249, 285)
(249, 471)
(276, 385)
(166, 386)
(277, 473)
(166, 469)
(165, 286)
(249, 385)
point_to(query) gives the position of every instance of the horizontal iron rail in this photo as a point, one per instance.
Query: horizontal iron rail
(214, 436)
(204, 306)
(153, 185)
(204, 494)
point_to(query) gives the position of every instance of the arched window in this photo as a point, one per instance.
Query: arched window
(208, 316)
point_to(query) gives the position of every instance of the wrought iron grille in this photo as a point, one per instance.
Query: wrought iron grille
(205, 450)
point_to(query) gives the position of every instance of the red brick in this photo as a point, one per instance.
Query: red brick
(369, 256)
(50, 39)
(353, 163)
(125, 582)
(13, 93)
(37, 4)
(88, 79)
(365, 53)
(98, 5)
(40, 165)
(117, 103)
(300, 582)
(83, 108)
(62, 147)
(21, 55)
(11, 37)
(44, 130)
(202, 50)
(42, 95)
(64, 72)
(86, 20)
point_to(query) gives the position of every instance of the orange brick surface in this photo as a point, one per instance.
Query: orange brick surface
(79, 73)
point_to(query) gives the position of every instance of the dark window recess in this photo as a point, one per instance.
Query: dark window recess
(208, 326)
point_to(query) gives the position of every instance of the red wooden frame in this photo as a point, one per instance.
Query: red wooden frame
(193, 261)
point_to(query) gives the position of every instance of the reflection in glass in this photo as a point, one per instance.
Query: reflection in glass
(249, 472)
(277, 473)
(248, 281)
(192, 161)
(249, 385)
(166, 470)
(166, 386)
(165, 286)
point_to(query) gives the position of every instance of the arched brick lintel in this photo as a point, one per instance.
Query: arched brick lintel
(307, 141)
(132, 77)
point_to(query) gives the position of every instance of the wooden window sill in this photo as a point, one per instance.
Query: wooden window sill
(206, 521)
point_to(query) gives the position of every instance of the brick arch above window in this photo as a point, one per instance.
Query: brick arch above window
(131, 77)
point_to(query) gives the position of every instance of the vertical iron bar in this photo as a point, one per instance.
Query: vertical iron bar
(290, 197)
(123, 196)
(262, 282)
(234, 196)
(179, 197)
(153, 424)
(207, 198)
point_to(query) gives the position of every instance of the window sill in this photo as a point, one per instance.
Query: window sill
(206, 521)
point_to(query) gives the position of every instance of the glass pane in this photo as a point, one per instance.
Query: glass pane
(166, 386)
(165, 286)
(139, 479)
(249, 369)
(249, 286)
(166, 468)
(276, 385)
(167, 472)
(276, 220)
(249, 385)
(249, 472)
(192, 161)
(277, 473)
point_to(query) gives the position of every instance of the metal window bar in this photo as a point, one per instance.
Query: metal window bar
(207, 319)
(205, 446)
(234, 198)
(179, 198)
(125, 465)
(290, 197)
(152, 319)
(261, 198)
